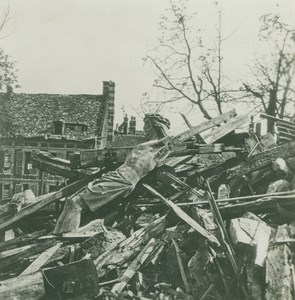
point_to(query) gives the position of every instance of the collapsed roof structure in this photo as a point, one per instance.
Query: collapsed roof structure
(213, 220)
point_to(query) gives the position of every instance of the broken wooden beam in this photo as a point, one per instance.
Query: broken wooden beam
(181, 267)
(46, 162)
(184, 216)
(193, 149)
(31, 250)
(44, 200)
(286, 135)
(21, 240)
(207, 125)
(41, 260)
(109, 157)
(112, 157)
(134, 266)
(232, 124)
(130, 246)
(220, 202)
(280, 276)
(262, 205)
(225, 241)
(262, 159)
(283, 121)
(286, 127)
(199, 193)
(24, 287)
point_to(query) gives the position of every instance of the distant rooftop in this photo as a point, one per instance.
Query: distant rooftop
(31, 115)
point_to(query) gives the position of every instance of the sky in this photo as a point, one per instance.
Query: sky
(71, 46)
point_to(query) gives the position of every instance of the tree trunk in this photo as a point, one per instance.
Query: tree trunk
(271, 109)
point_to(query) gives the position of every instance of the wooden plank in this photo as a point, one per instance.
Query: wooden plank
(35, 249)
(114, 157)
(260, 205)
(184, 150)
(252, 163)
(130, 246)
(207, 125)
(225, 241)
(41, 260)
(181, 267)
(134, 266)
(46, 162)
(284, 140)
(68, 236)
(282, 128)
(45, 200)
(188, 187)
(286, 126)
(24, 287)
(102, 157)
(184, 216)
(279, 275)
(20, 240)
(8, 253)
(189, 125)
(226, 128)
(286, 135)
(269, 117)
(233, 199)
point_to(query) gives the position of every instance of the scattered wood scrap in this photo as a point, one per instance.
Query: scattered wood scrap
(215, 221)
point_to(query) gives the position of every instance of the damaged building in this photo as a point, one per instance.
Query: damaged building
(206, 214)
(55, 123)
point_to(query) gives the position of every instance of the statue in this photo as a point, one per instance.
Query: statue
(121, 182)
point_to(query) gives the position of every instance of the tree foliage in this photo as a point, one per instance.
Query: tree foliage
(8, 71)
(188, 67)
(8, 80)
(274, 72)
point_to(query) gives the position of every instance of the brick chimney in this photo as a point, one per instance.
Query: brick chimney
(132, 126)
(109, 93)
(125, 125)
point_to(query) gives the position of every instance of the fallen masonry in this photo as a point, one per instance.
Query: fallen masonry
(212, 217)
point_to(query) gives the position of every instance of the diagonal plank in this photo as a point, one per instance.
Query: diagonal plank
(26, 252)
(226, 128)
(206, 125)
(41, 260)
(134, 266)
(45, 200)
(184, 216)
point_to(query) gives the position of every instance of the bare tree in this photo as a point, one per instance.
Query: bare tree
(8, 71)
(274, 73)
(8, 78)
(185, 67)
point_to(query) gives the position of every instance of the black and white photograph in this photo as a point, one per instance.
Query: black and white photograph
(147, 149)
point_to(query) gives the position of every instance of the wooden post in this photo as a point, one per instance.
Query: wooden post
(279, 275)
(40, 189)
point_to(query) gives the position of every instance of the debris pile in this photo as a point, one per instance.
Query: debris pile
(215, 219)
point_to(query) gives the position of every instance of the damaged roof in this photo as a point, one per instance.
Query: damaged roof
(32, 115)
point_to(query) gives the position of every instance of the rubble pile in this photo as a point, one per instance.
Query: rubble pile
(215, 220)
